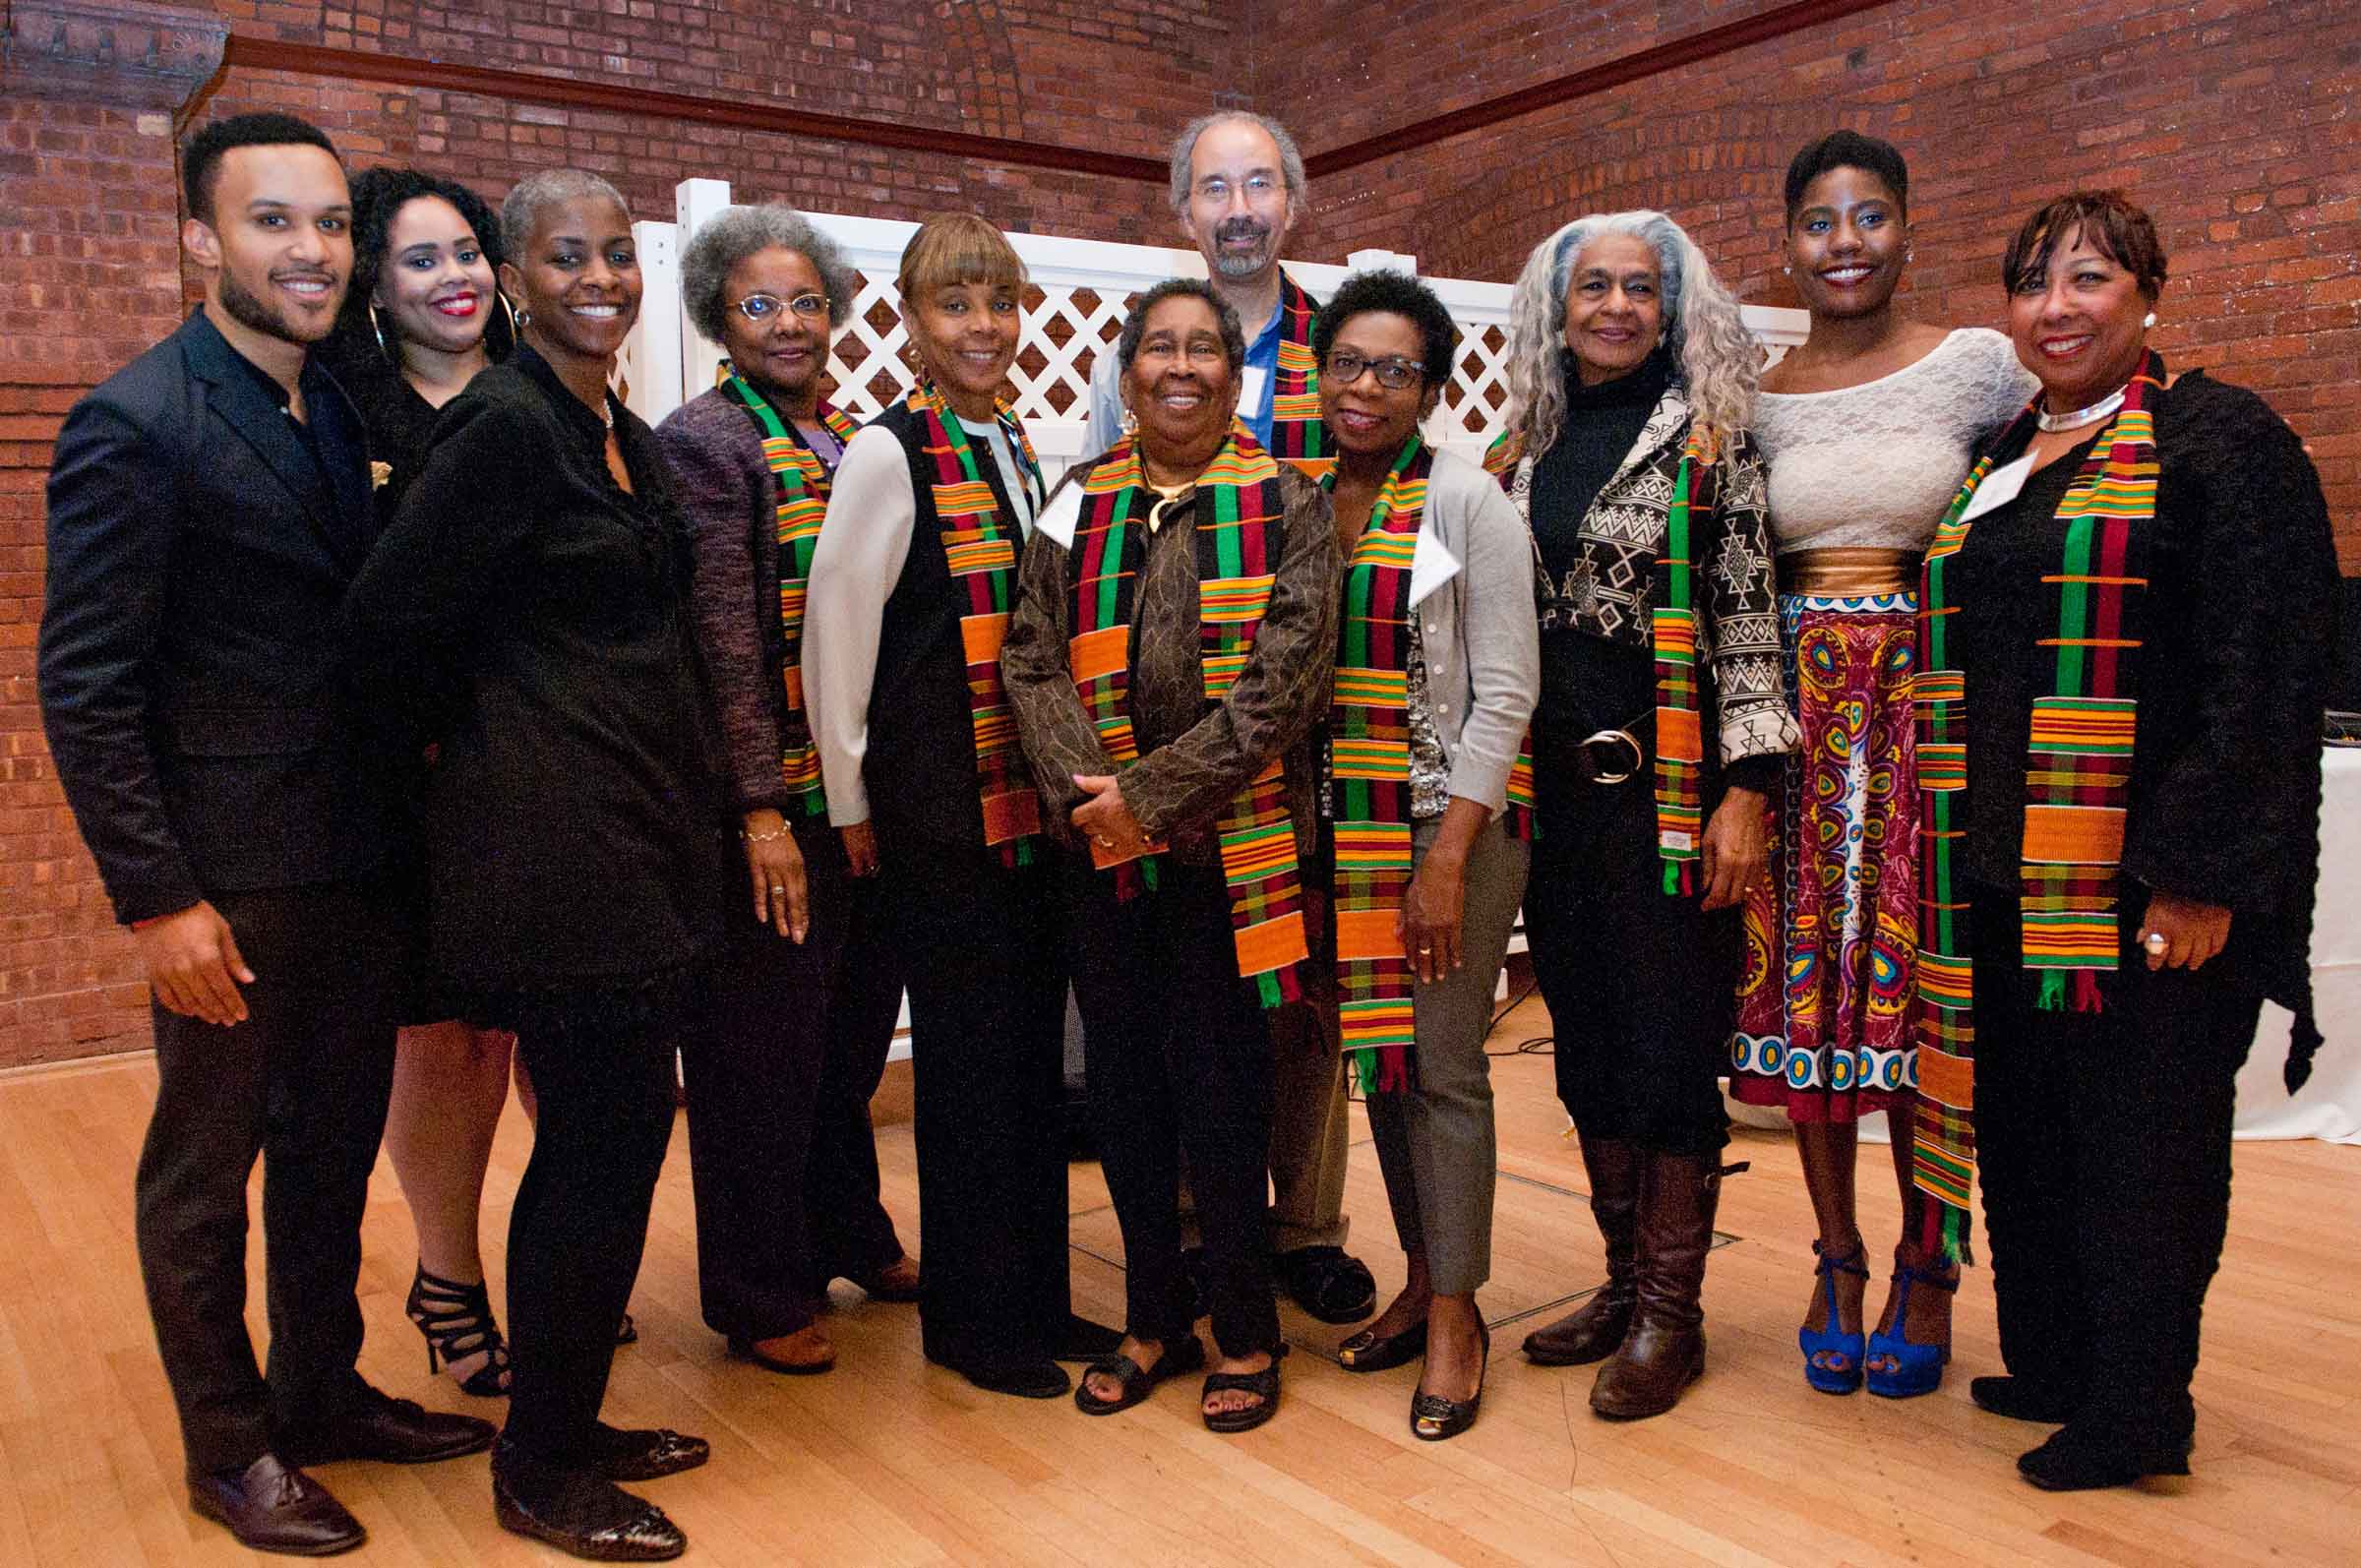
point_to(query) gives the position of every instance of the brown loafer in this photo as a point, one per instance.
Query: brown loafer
(272, 1506)
(798, 1354)
(898, 1280)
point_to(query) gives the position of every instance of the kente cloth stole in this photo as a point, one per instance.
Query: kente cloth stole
(803, 489)
(979, 547)
(2077, 783)
(1239, 518)
(1369, 729)
(1297, 435)
(1679, 727)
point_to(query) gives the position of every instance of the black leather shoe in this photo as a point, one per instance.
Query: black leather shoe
(375, 1425)
(648, 1453)
(1024, 1376)
(2023, 1400)
(1371, 1352)
(1327, 1282)
(272, 1506)
(2077, 1460)
(1085, 1340)
(579, 1512)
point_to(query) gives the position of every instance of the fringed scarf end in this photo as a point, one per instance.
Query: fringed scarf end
(2053, 991)
(2086, 995)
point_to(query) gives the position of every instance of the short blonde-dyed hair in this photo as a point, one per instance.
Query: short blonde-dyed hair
(957, 248)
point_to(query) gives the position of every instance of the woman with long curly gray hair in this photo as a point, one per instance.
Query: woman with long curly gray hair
(1660, 727)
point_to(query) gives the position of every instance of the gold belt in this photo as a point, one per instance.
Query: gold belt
(1849, 571)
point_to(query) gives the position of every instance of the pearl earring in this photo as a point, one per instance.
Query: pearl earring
(1787, 272)
(2149, 320)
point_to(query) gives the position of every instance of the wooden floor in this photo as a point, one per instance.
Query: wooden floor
(889, 1462)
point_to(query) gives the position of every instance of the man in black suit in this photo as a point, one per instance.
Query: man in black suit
(207, 505)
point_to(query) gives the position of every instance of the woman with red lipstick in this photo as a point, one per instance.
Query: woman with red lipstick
(1866, 430)
(1169, 660)
(1660, 729)
(2126, 613)
(1437, 665)
(532, 597)
(911, 586)
(804, 997)
(421, 320)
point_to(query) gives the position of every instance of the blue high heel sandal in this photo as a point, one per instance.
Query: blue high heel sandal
(1898, 1368)
(1832, 1360)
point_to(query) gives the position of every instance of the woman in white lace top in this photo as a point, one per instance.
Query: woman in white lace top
(1866, 429)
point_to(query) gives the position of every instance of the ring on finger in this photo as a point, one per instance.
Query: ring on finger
(2155, 941)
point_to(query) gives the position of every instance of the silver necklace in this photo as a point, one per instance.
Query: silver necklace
(2098, 411)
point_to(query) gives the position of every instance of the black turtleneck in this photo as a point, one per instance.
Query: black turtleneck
(1601, 422)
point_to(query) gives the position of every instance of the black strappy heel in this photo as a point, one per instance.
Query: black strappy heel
(457, 1321)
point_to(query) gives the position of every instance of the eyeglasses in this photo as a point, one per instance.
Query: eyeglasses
(763, 307)
(1394, 374)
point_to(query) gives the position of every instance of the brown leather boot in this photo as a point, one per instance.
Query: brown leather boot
(1665, 1351)
(1593, 1330)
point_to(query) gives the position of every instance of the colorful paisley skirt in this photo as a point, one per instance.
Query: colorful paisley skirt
(1825, 1025)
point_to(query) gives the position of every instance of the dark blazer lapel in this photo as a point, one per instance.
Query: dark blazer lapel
(263, 425)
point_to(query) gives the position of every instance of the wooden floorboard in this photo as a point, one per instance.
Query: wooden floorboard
(888, 1462)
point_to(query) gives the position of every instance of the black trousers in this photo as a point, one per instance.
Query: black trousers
(2104, 1151)
(1641, 985)
(579, 1225)
(1179, 1059)
(984, 949)
(302, 1085)
(789, 1044)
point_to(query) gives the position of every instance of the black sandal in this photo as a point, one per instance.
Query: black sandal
(457, 1320)
(1264, 1383)
(1137, 1382)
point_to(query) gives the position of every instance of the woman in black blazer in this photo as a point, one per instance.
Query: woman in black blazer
(533, 591)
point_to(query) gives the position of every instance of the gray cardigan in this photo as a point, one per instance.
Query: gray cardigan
(1480, 631)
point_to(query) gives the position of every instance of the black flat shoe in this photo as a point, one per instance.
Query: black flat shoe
(374, 1425)
(1368, 1352)
(1433, 1417)
(1137, 1382)
(1327, 1282)
(2073, 1462)
(627, 1332)
(1022, 1377)
(580, 1513)
(2023, 1400)
(1264, 1384)
(272, 1506)
(1085, 1340)
(648, 1453)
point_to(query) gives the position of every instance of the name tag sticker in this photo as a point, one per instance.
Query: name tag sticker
(1433, 566)
(1061, 516)
(1252, 388)
(2000, 487)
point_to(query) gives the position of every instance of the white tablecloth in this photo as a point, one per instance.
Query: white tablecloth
(2330, 1105)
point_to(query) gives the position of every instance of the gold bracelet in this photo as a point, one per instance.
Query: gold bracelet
(766, 838)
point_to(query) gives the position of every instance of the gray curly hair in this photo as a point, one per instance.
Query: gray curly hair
(1714, 360)
(735, 233)
(535, 194)
(1185, 147)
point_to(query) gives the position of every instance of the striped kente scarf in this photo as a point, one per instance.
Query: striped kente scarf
(1239, 515)
(1298, 434)
(2077, 782)
(1369, 729)
(979, 547)
(802, 480)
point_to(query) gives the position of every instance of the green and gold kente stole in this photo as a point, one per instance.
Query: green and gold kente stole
(1369, 728)
(1239, 535)
(979, 547)
(2077, 782)
(1679, 728)
(802, 480)
(1297, 435)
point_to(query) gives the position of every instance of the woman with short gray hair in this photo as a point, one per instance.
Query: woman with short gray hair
(1660, 727)
(803, 997)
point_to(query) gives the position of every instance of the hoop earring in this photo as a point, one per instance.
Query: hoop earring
(511, 312)
(377, 330)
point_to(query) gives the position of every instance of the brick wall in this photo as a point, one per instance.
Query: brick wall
(2232, 119)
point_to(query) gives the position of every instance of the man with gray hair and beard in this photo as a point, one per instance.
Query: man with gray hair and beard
(1237, 189)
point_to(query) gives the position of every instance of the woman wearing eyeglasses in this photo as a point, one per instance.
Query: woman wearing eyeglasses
(1438, 662)
(803, 998)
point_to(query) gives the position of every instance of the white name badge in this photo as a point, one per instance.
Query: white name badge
(1250, 389)
(1062, 515)
(2000, 487)
(1431, 568)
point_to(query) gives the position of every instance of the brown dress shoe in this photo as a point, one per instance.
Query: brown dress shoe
(898, 1280)
(374, 1425)
(1593, 1330)
(1665, 1351)
(798, 1354)
(272, 1506)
